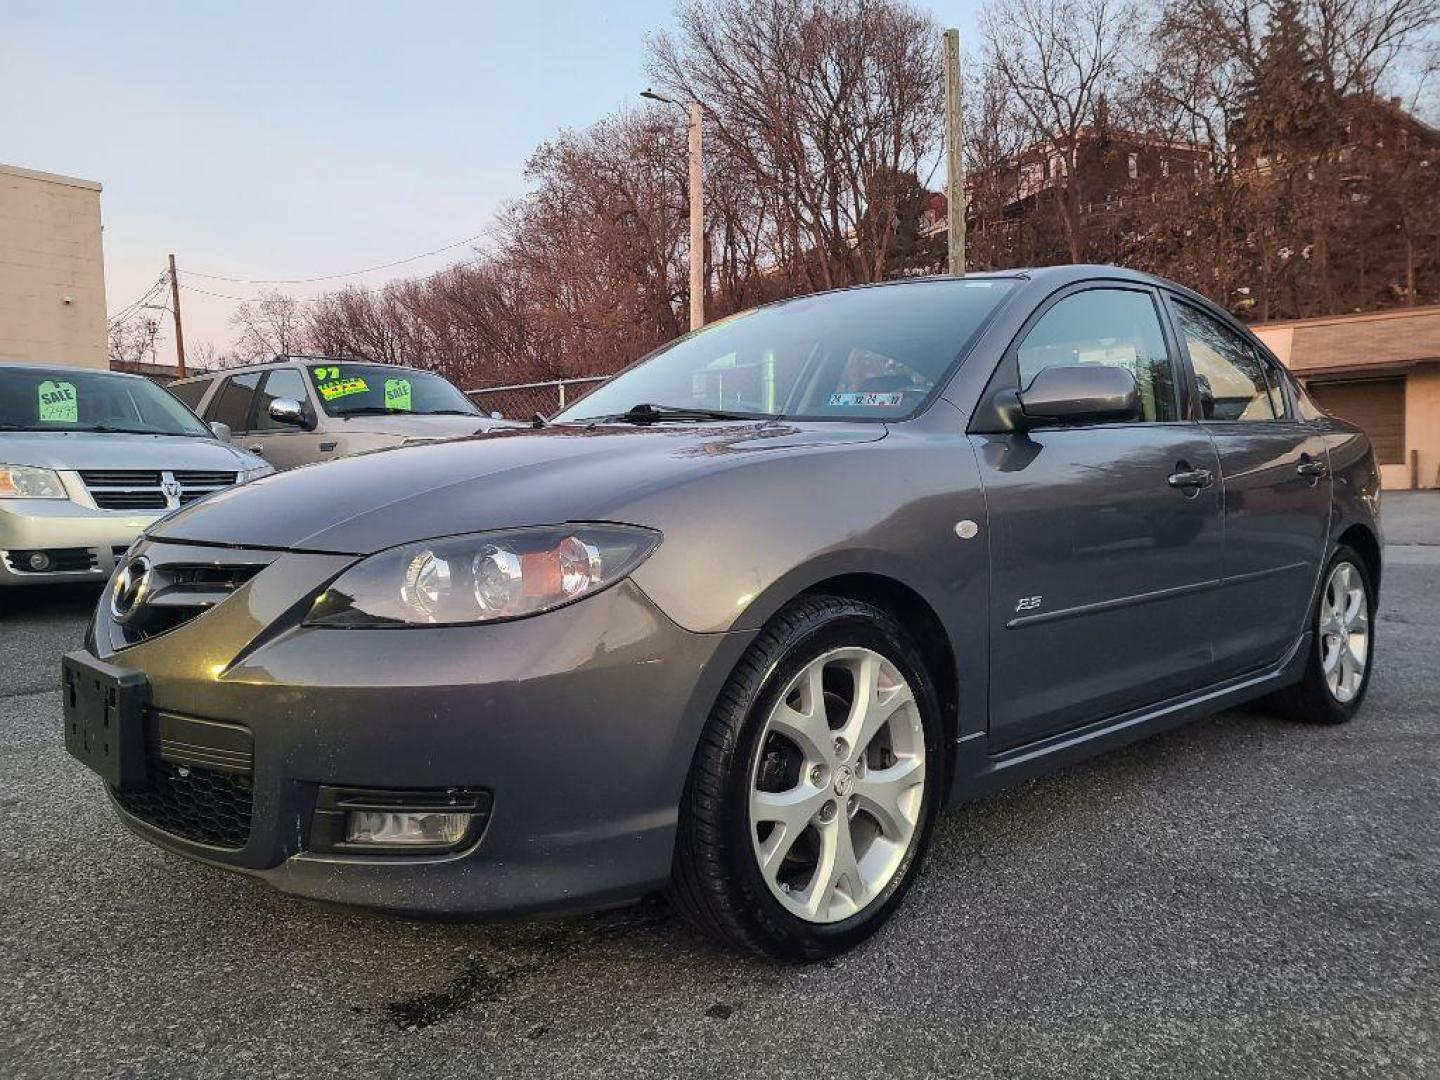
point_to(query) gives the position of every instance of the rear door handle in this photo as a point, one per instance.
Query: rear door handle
(1311, 467)
(1191, 478)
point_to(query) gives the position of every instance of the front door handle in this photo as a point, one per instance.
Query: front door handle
(1312, 467)
(1191, 478)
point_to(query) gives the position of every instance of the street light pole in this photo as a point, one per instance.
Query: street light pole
(955, 152)
(697, 223)
(697, 209)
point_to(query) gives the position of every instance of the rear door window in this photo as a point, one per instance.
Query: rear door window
(1233, 382)
(231, 405)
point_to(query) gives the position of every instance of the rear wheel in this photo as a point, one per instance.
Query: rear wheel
(1342, 650)
(814, 787)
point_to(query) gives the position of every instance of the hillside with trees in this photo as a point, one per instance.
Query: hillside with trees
(1268, 155)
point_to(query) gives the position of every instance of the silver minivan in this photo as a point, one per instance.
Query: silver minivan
(302, 409)
(89, 459)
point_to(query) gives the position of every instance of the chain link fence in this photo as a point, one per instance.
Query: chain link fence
(521, 401)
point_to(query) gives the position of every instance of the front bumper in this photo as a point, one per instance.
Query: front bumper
(92, 539)
(580, 723)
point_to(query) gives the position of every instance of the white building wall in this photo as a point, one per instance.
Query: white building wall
(52, 270)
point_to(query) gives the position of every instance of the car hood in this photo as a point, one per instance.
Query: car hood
(502, 479)
(103, 450)
(421, 426)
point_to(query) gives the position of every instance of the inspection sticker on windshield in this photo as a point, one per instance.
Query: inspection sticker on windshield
(58, 404)
(864, 400)
(397, 394)
(342, 388)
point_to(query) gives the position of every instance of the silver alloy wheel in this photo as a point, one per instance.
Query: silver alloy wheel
(1344, 632)
(837, 785)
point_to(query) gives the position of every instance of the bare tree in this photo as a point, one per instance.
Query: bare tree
(814, 102)
(133, 341)
(271, 326)
(1059, 59)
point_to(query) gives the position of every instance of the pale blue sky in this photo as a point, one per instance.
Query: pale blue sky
(286, 140)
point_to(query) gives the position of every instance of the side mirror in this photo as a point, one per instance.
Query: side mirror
(284, 410)
(222, 431)
(1079, 393)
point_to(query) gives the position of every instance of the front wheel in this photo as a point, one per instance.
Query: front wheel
(1342, 652)
(814, 787)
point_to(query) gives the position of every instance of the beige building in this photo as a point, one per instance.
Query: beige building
(1381, 370)
(52, 270)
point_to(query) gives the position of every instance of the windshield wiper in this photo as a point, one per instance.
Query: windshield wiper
(648, 413)
(375, 410)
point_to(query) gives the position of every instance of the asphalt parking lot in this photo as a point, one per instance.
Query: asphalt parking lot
(1242, 897)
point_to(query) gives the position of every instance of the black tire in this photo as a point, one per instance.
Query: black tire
(1309, 700)
(716, 882)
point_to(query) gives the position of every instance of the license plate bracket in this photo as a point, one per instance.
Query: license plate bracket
(104, 709)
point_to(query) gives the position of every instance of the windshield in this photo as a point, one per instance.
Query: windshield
(375, 389)
(873, 353)
(46, 399)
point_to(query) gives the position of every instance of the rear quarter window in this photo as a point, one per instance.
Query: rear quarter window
(191, 393)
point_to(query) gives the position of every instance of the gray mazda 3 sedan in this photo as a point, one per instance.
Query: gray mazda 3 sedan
(738, 624)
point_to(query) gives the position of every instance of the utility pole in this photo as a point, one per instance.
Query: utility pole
(697, 223)
(697, 209)
(179, 336)
(955, 147)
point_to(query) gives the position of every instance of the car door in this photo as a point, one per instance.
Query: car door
(1105, 538)
(1276, 489)
(284, 445)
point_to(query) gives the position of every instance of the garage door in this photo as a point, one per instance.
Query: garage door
(1377, 405)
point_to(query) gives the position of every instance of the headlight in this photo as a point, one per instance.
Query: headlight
(257, 472)
(28, 482)
(486, 577)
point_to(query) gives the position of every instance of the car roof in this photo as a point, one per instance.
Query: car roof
(1046, 276)
(294, 360)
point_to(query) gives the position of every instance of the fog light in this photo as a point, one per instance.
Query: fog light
(39, 560)
(384, 828)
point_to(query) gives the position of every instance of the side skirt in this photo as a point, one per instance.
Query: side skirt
(978, 772)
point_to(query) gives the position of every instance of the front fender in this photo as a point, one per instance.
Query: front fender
(741, 543)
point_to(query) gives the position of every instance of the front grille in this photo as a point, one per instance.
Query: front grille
(120, 478)
(181, 591)
(198, 780)
(199, 478)
(203, 805)
(140, 489)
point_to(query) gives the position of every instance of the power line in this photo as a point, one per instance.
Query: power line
(252, 299)
(135, 305)
(332, 277)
